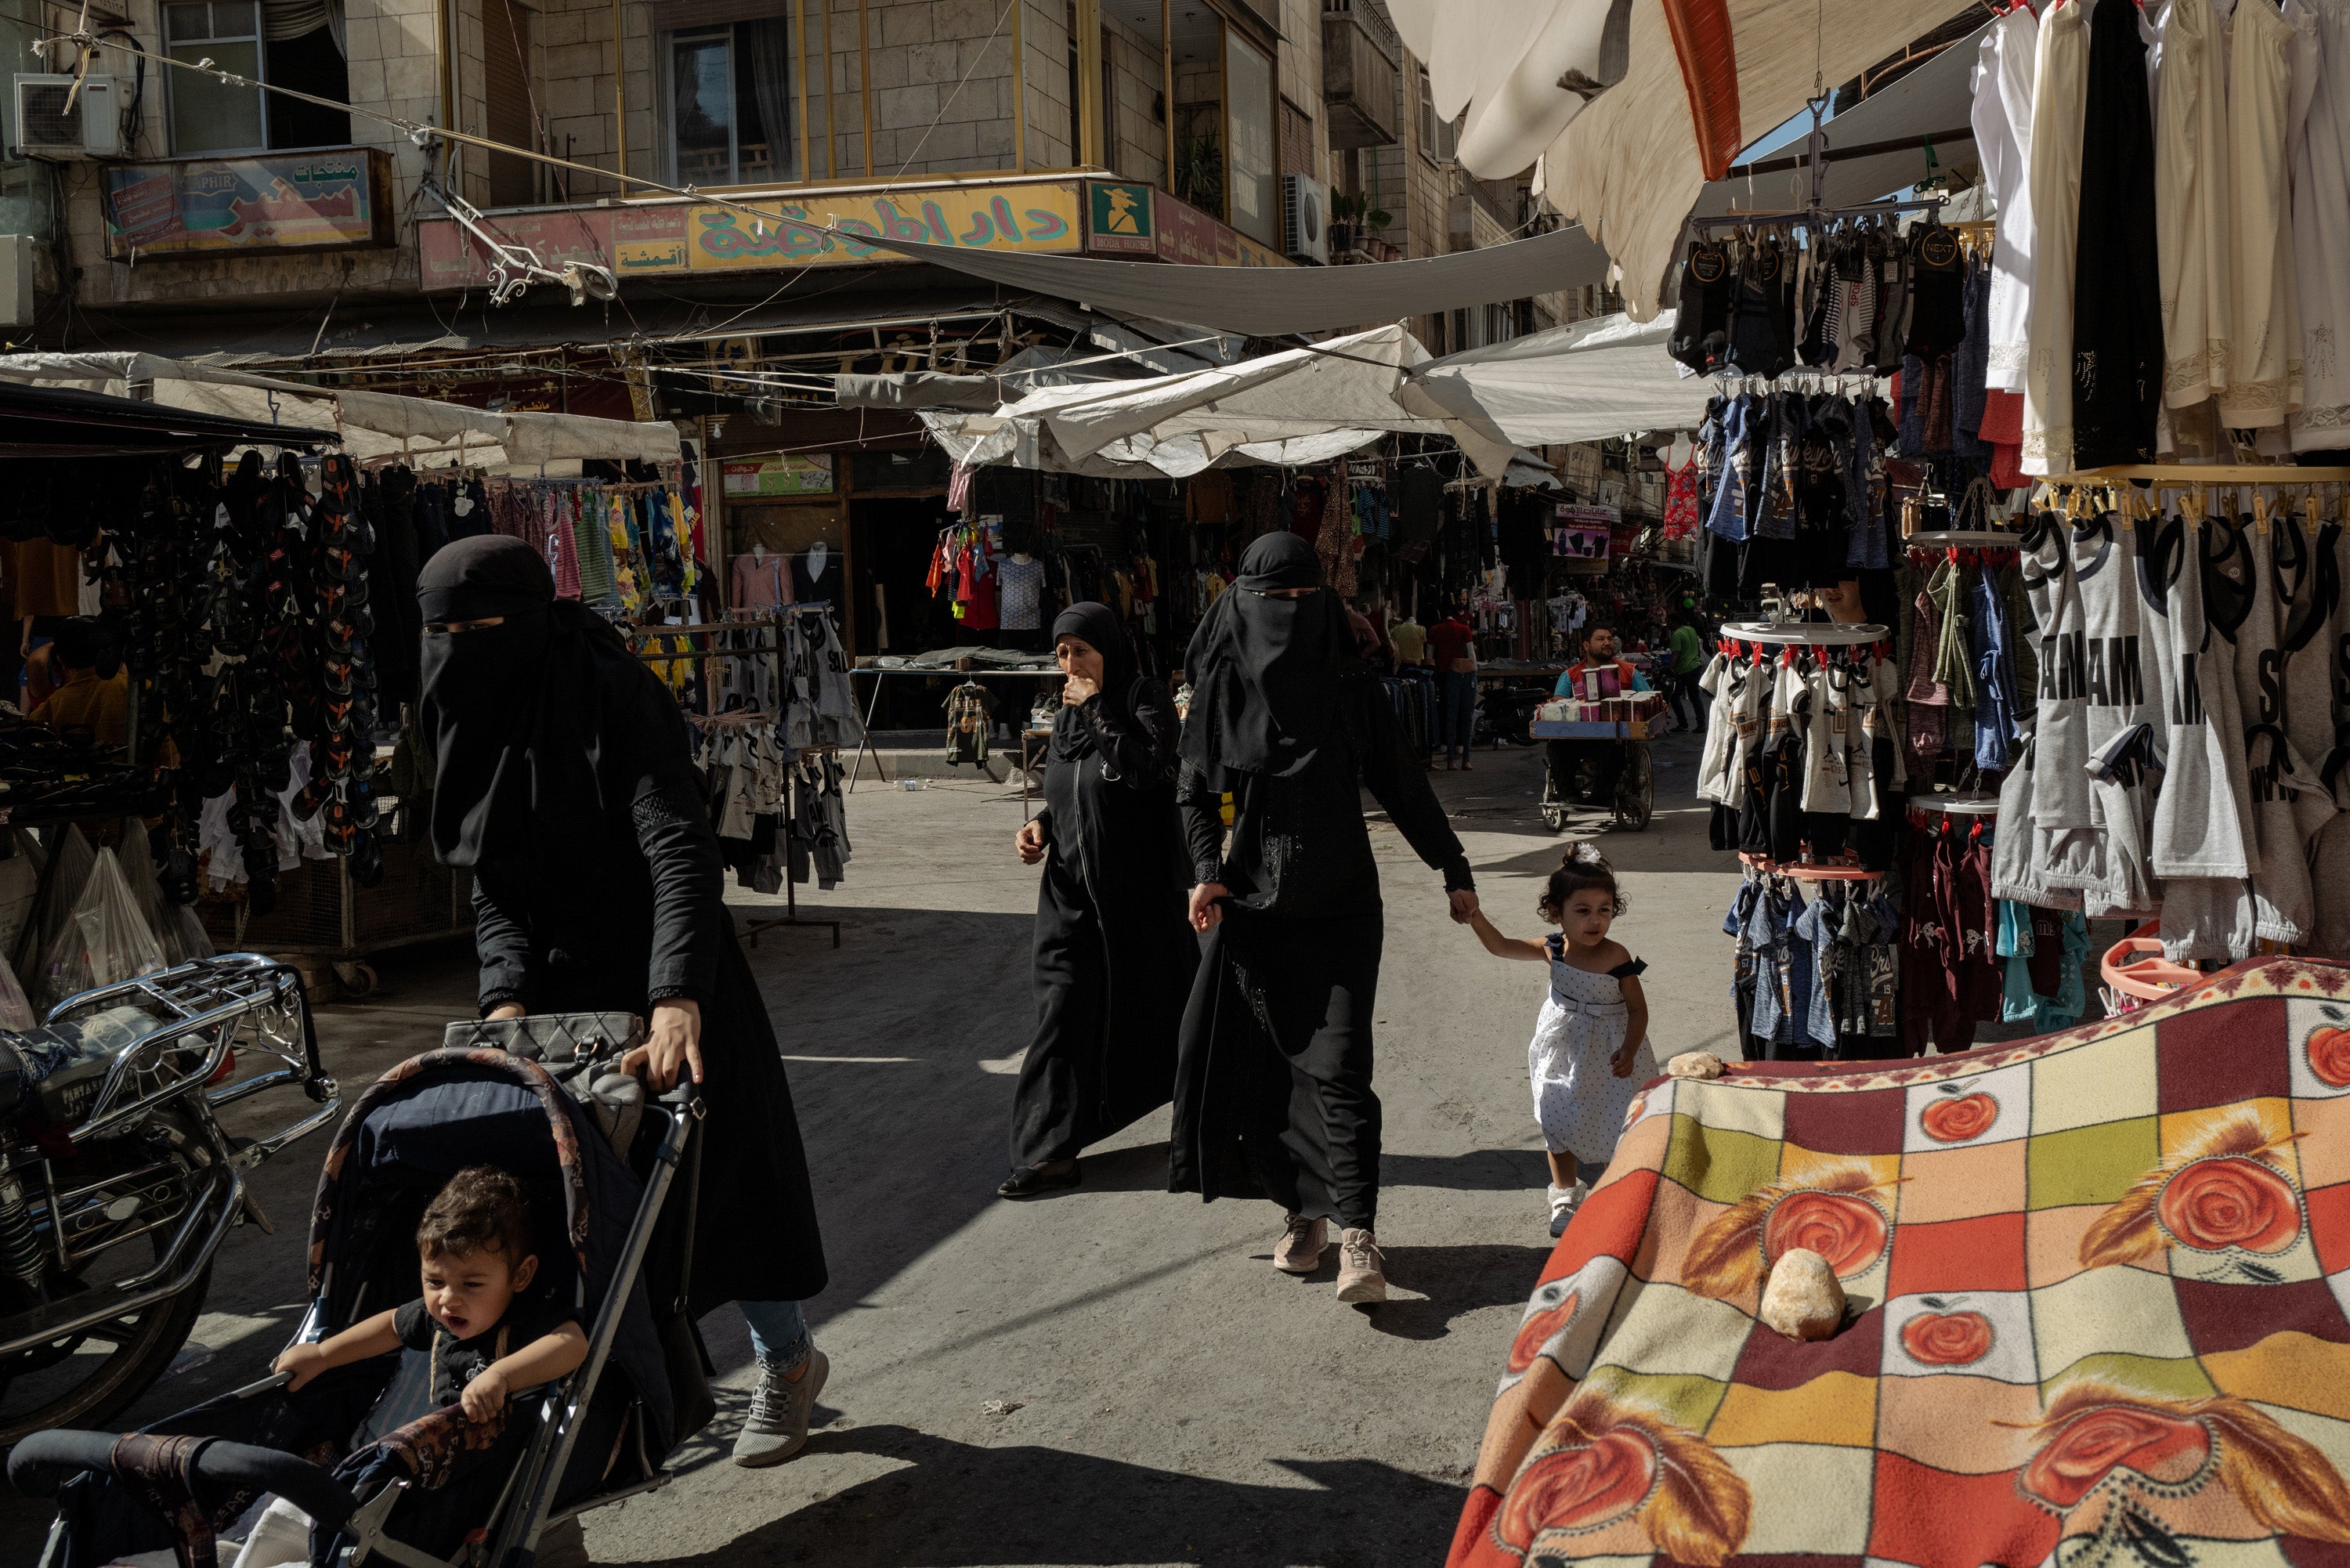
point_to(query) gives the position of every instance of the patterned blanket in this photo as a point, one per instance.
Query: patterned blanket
(2097, 1284)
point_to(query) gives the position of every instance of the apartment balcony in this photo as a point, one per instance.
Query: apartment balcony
(1361, 61)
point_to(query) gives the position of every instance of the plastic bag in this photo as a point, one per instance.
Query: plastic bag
(104, 940)
(15, 1008)
(178, 929)
(20, 879)
(69, 881)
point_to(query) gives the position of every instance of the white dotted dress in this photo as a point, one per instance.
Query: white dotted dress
(1579, 1100)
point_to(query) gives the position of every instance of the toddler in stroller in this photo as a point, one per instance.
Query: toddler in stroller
(369, 1430)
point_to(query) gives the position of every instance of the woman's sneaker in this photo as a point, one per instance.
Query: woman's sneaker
(1362, 1268)
(777, 1427)
(1564, 1202)
(1299, 1250)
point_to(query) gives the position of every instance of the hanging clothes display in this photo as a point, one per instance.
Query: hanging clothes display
(2059, 105)
(2192, 179)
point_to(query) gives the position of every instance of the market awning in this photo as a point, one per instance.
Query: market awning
(1302, 405)
(59, 421)
(1591, 381)
(366, 424)
(1272, 302)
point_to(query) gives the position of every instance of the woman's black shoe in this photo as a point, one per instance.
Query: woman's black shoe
(1033, 1181)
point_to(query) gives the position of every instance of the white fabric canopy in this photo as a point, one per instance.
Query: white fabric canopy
(1303, 405)
(372, 424)
(1629, 164)
(1592, 381)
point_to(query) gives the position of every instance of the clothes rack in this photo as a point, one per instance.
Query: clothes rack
(1801, 634)
(791, 915)
(1957, 805)
(744, 718)
(1803, 871)
(2190, 475)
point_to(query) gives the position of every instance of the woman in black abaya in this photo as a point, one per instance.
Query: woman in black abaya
(1114, 957)
(1275, 1055)
(566, 783)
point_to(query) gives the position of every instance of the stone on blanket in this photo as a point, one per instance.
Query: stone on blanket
(1804, 1299)
(1695, 1064)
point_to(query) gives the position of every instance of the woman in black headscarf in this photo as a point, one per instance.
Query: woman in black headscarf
(1276, 1055)
(566, 783)
(1114, 957)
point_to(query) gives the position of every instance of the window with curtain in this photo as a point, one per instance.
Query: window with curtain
(732, 103)
(1254, 188)
(294, 43)
(1439, 139)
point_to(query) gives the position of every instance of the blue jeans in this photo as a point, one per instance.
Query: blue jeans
(1458, 728)
(778, 1331)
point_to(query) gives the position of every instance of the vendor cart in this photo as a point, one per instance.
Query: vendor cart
(1635, 799)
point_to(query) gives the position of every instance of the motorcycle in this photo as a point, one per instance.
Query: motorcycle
(117, 1183)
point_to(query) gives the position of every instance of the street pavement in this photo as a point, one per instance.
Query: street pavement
(1112, 1375)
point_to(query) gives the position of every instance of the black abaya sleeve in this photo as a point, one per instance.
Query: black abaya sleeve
(1398, 782)
(689, 896)
(1203, 825)
(500, 935)
(1138, 749)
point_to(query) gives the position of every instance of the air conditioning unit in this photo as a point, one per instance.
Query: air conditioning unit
(1306, 218)
(54, 121)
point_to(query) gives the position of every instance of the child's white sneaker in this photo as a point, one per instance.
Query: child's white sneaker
(1564, 1202)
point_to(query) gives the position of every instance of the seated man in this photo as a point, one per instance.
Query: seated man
(1604, 758)
(94, 701)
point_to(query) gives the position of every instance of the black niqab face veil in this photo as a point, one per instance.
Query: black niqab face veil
(1263, 671)
(542, 725)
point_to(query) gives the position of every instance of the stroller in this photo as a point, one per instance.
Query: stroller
(384, 1476)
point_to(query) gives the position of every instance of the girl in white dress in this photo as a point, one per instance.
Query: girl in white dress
(1590, 1046)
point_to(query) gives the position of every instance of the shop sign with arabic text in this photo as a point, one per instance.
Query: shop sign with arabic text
(650, 240)
(333, 200)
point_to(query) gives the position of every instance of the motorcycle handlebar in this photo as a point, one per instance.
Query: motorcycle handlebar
(46, 1460)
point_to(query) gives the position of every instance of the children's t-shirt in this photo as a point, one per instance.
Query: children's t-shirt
(457, 1361)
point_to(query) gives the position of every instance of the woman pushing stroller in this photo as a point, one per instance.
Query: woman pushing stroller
(565, 783)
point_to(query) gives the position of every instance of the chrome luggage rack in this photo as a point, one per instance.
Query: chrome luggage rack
(211, 999)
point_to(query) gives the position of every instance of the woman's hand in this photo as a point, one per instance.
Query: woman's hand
(1464, 905)
(1621, 1063)
(1207, 906)
(1031, 842)
(506, 1010)
(675, 1041)
(1078, 688)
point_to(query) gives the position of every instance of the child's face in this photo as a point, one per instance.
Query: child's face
(467, 1295)
(1587, 917)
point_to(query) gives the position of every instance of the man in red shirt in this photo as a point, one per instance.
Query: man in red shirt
(1604, 758)
(1453, 648)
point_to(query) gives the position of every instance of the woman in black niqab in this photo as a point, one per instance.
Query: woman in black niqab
(563, 780)
(1274, 1068)
(1113, 957)
(1264, 667)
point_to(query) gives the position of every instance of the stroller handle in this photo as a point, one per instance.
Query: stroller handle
(46, 1460)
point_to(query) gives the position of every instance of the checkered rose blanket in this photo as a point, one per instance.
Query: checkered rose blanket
(2097, 1288)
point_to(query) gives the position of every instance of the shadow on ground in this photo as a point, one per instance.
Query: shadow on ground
(958, 1506)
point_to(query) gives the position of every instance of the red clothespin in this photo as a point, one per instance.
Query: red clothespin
(1974, 833)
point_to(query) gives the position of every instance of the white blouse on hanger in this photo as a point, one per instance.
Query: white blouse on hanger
(2001, 119)
(2191, 185)
(2060, 97)
(2320, 228)
(2264, 366)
